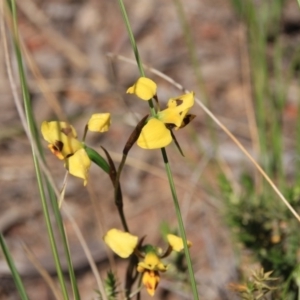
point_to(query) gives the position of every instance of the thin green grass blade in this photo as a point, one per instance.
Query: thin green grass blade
(16, 277)
(62, 232)
(131, 38)
(180, 224)
(33, 132)
(165, 159)
(196, 67)
(134, 48)
(298, 146)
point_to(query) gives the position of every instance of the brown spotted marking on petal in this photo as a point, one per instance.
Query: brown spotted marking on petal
(54, 149)
(58, 145)
(170, 126)
(67, 131)
(187, 119)
(178, 102)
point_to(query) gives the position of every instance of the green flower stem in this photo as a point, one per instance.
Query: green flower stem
(131, 37)
(135, 49)
(180, 223)
(16, 277)
(165, 158)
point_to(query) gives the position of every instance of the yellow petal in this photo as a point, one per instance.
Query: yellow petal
(144, 88)
(170, 116)
(176, 242)
(78, 165)
(182, 105)
(122, 243)
(62, 137)
(154, 135)
(151, 280)
(185, 101)
(151, 262)
(99, 122)
(50, 130)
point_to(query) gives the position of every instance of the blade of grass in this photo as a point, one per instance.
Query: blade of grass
(13, 269)
(165, 159)
(263, 21)
(196, 66)
(298, 144)
(34, 136)
(54, 204)
(134, 48)
(44, 167)
(60, 224)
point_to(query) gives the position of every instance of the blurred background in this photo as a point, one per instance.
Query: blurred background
(240, 57)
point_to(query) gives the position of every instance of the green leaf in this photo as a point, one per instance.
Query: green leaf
(97, 159)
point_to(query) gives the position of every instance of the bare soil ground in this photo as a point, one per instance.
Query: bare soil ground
(71, 76)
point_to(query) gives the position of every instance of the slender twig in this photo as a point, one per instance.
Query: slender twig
(43, 272)
(86, 250)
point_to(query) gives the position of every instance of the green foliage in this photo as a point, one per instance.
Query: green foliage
(111, 290)
(258, 287)
(97, 159)
(267, 228)
(259, 222)
(111, 286)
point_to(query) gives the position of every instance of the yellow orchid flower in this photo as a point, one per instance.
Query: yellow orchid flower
(62, 138)
(124, 244)
(156, 133)
(63, 143)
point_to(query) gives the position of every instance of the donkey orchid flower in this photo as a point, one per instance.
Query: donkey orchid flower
(63, 143)
(156, 133)
(124, 244)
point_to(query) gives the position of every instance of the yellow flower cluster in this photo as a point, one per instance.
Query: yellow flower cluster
(63, 143)
(124, 244)
(156, 133)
